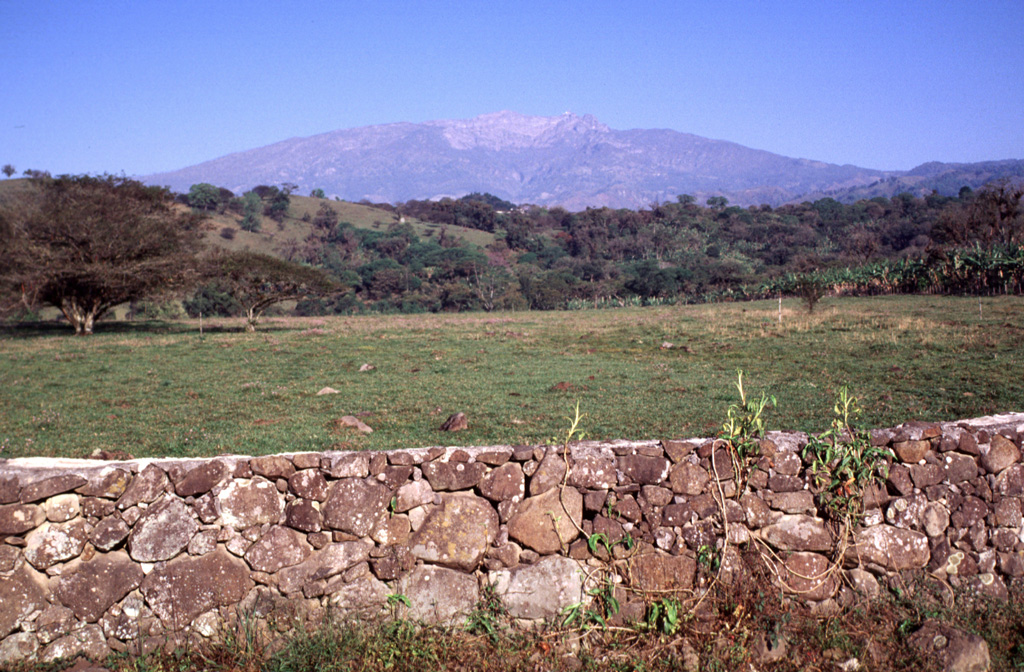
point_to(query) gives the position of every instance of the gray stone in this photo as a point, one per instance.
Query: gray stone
(506, 482)
(392, 530)
(891, 548)
(411, 495)
(539, 591)
(495, 458)
(1001, 453)
(203, 542)
(309, 484)
(1010, 482)
(347, 465)
(392, 563)
(97, 584)
(645, 470)
(145, 487)
(20, 518)
(688, 479)
(1012, 563)
(109, 483)
(355, 506)
(1008, 512)
(8, 558)
(959, 467)
(163, 531)
(655, 496)
(935, 519)
(439, 595)
(53, 623)
(801, 501)
(756, 509)
(365, 597)
(21, 594)
(798, 532)
(971, 510)
(245, 504)
(109, 533)
(88, 642)
(549, 474)
(906, 512)
(925, 475)
(457, 533)
(9, 489)
(280, 547)
(48, 487)
(592, 471)
(62, 508)
(678, 450)
(864, 582)
(547, 523)
(325, 563)
(787, 463)
(302, 515)
(780, 483)
(448, 476)
(393, 477)
(657, 572)
(50, 544)
(953, 650)
(809, 576)
(187, 586)
(202, 478)
(911, 452)
(272, 467)
(18, 647)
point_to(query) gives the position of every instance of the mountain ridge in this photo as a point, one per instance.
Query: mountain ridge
(566, 160)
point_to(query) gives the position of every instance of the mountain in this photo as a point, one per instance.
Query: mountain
(566, 160)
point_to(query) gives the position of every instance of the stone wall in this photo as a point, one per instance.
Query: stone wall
(99, 556)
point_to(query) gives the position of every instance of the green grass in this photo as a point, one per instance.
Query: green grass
(155, 389)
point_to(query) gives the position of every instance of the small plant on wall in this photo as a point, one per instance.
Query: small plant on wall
(843, 463)
(742, 430)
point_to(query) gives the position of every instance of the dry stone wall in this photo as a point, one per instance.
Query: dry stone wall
(113, 556)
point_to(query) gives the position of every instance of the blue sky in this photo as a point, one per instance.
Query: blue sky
(148, 85)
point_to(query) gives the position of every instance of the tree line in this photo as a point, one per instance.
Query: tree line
(85, 244)
(546, 258)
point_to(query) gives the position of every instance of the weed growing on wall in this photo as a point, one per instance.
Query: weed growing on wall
(743, 427)
(843, 462)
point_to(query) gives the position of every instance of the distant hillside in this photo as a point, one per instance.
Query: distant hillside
(567, 160)
(944, 178)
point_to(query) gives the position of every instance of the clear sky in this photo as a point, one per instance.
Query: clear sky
(144, 86)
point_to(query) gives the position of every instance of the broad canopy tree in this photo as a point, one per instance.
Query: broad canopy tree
(258, 281)
(88, 243)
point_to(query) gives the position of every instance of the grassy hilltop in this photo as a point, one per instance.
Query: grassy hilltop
(163, 389)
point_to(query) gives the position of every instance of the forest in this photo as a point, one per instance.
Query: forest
(678, 251)
(86, 244)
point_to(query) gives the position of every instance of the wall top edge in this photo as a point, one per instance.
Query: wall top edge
(787, 440)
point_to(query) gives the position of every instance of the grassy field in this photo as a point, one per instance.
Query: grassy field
(163, 389)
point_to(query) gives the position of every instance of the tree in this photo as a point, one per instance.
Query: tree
(203, 196)
(8, 170)
(317, 193)
(258, 281)
(86, 244)
(252, 208)
(717, 202)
